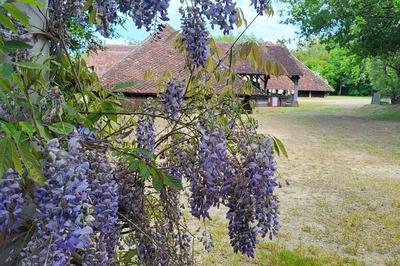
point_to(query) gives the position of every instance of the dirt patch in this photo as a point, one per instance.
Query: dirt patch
(344, 176)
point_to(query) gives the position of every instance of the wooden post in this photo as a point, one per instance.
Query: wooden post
(295, 80)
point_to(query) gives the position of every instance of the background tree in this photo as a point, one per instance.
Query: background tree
(344, 71)
(383, 75)
(367, 28)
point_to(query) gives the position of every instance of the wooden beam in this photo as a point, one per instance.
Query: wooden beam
(295, 80)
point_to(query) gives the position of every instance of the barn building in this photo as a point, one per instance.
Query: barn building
(123, 68)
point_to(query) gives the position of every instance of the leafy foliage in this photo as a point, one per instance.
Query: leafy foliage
(344, 71)
(348, 25)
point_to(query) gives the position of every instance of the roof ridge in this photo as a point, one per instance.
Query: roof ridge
(136, 47)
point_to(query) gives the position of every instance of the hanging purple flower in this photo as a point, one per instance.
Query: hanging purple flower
(11, 202)
(212, 158)
(260, 167)
(222, 13)
(261, 5)
(172, 98)
(195, 35)
(146, 132)
(61, 208)
(104, 196)
(146, 13)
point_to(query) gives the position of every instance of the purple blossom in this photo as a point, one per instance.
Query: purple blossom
(260, 167)
(195, 35)
(85, 133)
(107, 13)
(11, 202)
(212, 158)
(146, 13)
(145, 132)
(172, 99)
(62, 205)
(243, 235)
(222, 13)
(261, 5)
(104, 196)
(252, 205)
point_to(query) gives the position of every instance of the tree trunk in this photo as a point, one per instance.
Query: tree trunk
(40, 44)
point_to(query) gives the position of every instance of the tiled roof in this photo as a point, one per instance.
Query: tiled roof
(158, 54)
(310, 81)
(273, 52)
(103, 60)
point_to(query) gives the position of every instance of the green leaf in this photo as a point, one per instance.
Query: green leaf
(156, 182)
(16, 160)
(134, 165)
(144, 170)
(6, 70)
(29, 65)
(8, 128)
(62, 128)
(92, 16)
(31, 163)
(280, 147)
(5, 156)
(27, 127)
(128, 256)
(125, 85)
(92, 119)
(16, 44)
(32, 2)
(6, 22)
(172, 182)
(87, 5)
(44, 133)
(17, 14)
(148, 74)
(146, 154)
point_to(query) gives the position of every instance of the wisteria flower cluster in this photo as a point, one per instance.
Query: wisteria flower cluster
(11, 202)
(104, 192)
(147, 12)
(212, 160)
(252, 205)
(195, 35)
(261, 5)
(222, 13)
(76, 208)
(172, 98)
(146, 132)
(62, 207)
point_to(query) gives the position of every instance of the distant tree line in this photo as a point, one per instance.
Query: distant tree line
(366, 29)
(348, 74)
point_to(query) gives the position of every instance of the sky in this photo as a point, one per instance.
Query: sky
(266, 28)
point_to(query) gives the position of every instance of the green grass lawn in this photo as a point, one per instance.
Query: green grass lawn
(380, 112)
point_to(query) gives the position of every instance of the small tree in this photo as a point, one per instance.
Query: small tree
(385, 76)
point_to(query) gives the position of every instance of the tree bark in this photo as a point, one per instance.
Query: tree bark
(37, 19)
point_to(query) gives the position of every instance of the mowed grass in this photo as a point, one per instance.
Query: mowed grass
(339, 200)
